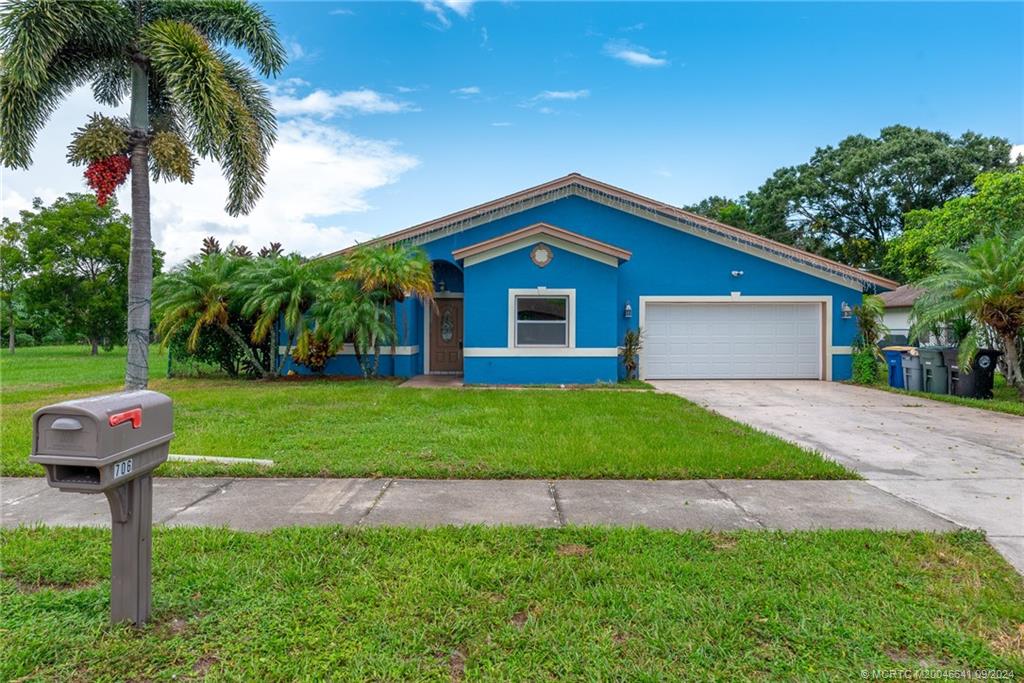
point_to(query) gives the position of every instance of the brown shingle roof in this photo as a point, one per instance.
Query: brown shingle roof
(900, 297)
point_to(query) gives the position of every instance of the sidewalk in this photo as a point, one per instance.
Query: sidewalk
(260, 504)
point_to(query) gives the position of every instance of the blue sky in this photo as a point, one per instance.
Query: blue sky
(394, 113)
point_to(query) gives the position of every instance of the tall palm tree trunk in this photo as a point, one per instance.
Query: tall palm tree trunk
(140, 260)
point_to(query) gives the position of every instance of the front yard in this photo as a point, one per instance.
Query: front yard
(357, 428)
(512, 604)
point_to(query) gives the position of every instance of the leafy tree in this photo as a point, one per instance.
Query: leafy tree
(282, 288)
(392, 271)
(189, 96)
(13, 265)
(201, 293)
(997, 204)
(848, 200)
(78, 253)
(985, 283)
(721, 209)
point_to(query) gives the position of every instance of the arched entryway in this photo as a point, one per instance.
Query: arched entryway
(443, 323)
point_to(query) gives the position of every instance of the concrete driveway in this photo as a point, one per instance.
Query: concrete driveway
(964, 464)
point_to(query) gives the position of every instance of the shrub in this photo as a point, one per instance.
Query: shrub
(314, 350)
(630, 351)
(867, 369)
(24, 339)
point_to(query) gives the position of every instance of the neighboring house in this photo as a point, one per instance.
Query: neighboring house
(898, 305)
(539, 287)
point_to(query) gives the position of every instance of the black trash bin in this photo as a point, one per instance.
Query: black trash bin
(977, 383)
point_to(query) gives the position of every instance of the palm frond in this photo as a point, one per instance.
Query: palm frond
(113, 80)
(243, 158)
(25, 108)
(254, 96)
(235, 23)
(194, 78)
(33, 33)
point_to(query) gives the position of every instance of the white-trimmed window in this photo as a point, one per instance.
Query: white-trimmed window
(541, 318)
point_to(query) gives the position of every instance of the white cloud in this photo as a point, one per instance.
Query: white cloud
(634, 55)
(294, 50)
(501, 124)
(439, 10)
(326, 104)
(562, 94)
(1016, 151)
(468, 91)
(341, 11)
(317, 174)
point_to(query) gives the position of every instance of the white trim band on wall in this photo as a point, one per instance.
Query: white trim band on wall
(539, 352)
(842, 350)
(349, 350)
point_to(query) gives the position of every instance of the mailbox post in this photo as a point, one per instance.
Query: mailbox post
(111, 444)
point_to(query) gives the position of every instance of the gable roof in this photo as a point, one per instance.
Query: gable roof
(575, 184)
(901, 297)
(542, 229)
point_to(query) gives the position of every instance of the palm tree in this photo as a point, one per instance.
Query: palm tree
(985, 283)
(282, 288)
(350, 314)
(188, 96)
(202, 290)
(394, 271)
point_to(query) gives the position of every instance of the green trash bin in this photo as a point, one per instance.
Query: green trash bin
(912, 371)
(934, 371)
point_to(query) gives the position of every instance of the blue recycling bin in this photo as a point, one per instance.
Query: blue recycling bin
(894, 359)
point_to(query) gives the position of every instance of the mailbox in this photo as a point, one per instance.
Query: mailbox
(92, 445)
(111, 444)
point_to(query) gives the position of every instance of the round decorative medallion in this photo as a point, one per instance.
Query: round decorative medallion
(541, 255)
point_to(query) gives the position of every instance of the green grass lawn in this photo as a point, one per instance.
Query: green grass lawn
(1005, 399)
(359, 428)
(512, 604)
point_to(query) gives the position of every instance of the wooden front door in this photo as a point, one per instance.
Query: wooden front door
(446, 336)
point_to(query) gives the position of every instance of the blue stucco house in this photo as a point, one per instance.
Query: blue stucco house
(540, 286)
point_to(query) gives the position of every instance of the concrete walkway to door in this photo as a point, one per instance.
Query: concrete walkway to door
(964, 464)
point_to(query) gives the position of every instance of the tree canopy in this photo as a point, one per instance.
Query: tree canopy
(76, 258)
(847, 201)
(997, 204)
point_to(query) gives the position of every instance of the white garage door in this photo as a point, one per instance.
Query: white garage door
(732, 341)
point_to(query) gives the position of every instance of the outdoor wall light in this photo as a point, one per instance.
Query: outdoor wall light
(737, 273)
(846, 310)
(627, 312)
